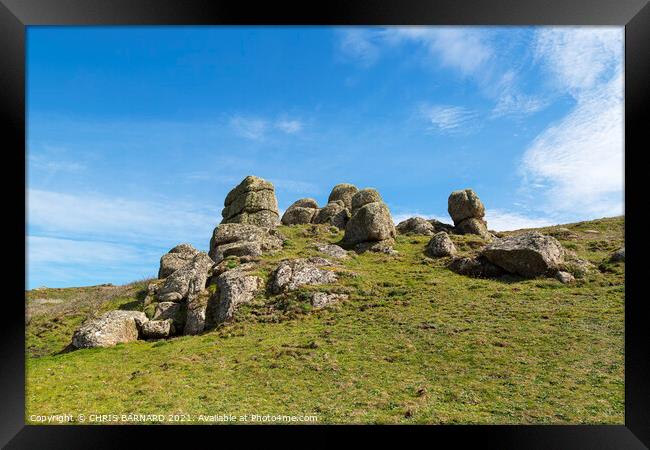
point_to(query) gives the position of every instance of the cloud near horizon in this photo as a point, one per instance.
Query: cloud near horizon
(497, 220)
(88, 236)
(112, 219)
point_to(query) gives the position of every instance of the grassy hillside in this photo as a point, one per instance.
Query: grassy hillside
(415, 343)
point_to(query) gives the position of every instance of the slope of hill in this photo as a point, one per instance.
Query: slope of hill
(414, 343)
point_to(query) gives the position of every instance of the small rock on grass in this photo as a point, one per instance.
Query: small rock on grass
(322, 299)
(564, 277)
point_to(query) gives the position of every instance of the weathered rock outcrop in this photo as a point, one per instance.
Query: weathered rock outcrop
(113, 327)
(334, 213)
(252, 202)
(234, 287)
(528, 254)
(343, 192)
(416, 225)
(300, 212)
(292, 274)
(371, 226)
(467, 212)
(440, 245)
(187, 280)
(176, 258)
(234, 239)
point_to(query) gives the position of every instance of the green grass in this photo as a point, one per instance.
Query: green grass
(415, 343)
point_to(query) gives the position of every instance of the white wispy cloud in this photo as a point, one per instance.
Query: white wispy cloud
(359, 45)
(462, 48)
(580, 58)
(49, 250)
(289, 126)
(470, 51)
(258, 128)
(53, 165)
(449, 119)
(249, 127)
(518, 104)
(576, 164)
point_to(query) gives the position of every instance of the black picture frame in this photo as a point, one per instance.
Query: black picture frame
(15, 15)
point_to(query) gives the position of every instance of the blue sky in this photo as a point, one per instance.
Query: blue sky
(136, 134)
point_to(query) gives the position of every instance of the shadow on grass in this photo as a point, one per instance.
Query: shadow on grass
(67, 349)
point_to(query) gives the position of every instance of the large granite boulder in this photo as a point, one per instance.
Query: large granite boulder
(343, 192)
(300, 212)
(528, 254)
(189, 279)
(334, 213)
(113, 327)
(440, 245)
(176, 258)
(416, 225)
(292, 274)
(252, 202)
(467, 212)
(234, 287)
(370, 224)
(464, 204)
(234, 239)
